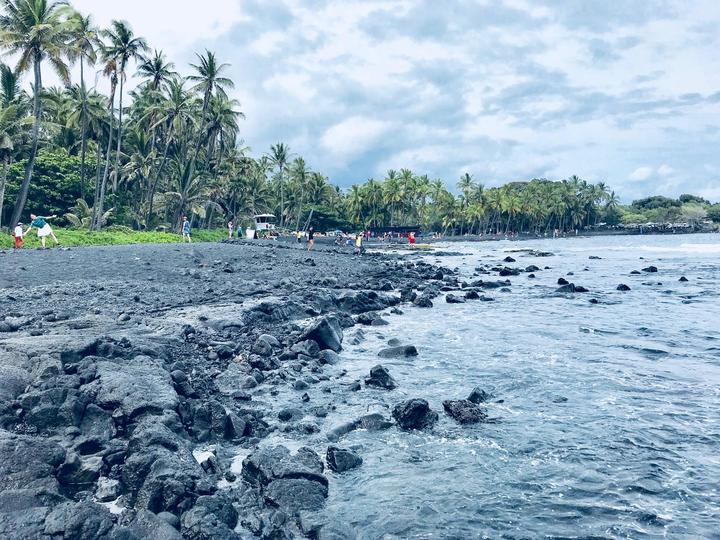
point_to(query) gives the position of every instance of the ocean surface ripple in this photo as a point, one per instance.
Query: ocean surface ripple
(607, 416)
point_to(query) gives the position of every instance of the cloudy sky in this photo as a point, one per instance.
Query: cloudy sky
(626, 91)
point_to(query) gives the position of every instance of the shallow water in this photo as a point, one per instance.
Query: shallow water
(608, 415)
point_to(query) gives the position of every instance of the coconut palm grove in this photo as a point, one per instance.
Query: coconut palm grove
(143, 157)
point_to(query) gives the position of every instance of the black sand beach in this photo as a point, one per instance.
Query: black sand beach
(117, 364)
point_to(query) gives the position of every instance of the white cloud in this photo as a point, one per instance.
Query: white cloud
(640, 174)
(171, 25)
(353, 136)
(665, 170)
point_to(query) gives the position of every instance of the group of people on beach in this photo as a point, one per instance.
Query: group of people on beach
(43, 230)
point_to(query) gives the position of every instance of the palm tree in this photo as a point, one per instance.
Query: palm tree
(10, 91)
(156, 70)
(279, 156)
(209, 81)
(36, 31)
(123, 47)
(9, 125)
(82, 46)
(176, 113)
(110, 71)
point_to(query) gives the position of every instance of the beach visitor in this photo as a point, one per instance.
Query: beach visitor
(186, 230)
(411, 239)
(311, 238)
(299, 236)
(359, 249)
(230, 230)
(43, 228)
(18, 233)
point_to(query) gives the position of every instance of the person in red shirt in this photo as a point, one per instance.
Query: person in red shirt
(411, 239)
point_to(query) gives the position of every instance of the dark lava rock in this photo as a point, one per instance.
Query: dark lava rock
(563, 281)
(504, 272)
(622, 287)
(327, 333)
(399, 352)
(478, 395)
(472, 295)
(464, 411)
(594, 301)
(423, 302)
(683, 279)
(594, 258)
(650, 269)
(452, 299)
(531, 276)
(580, 289)
(508, 259)
(380, 378)
(292, 482)
(566, 288)
(635, 273)
(328, 356)
(341, 460)
(369, 422)
(532, 268)
(414, 414)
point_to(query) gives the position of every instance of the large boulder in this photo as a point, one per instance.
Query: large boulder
(326, 332)
(81, 521)
(464, 411)
(414, 414)
(294, 482)
(28, 488)
(341, 460)
(380, 378)
(137, 386)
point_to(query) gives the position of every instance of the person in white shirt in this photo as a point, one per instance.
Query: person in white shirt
(19, 233)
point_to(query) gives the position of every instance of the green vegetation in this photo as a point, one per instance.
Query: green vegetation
(171, 147)
(111, 236)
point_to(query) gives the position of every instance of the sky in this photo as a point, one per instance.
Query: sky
(621, 91)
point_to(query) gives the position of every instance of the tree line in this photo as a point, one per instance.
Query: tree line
(171, 146)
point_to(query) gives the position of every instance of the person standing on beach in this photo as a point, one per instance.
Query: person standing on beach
(230, 230)
(43, 228)
(411, 238)
(18, 233)
(186, 230)
(311, 238)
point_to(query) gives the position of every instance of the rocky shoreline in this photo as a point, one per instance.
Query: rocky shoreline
(132, 378)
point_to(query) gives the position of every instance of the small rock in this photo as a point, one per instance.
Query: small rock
(380, 378)
(341, 460)
(414, 414)
(464, 411)
(622, 287)
(399, 352)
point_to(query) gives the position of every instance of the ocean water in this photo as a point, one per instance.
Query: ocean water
(606, 417)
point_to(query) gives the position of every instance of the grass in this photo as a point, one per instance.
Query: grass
(117, 236)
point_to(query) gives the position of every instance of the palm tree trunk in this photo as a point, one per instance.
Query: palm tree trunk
(3, 179)
(37, 111)
(153, 183)
(83, 135)
(119, 141)
(100, 200)
(282, 199)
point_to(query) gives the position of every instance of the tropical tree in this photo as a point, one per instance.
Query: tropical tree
(36, 31)
(82, 47)
(122, 47)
